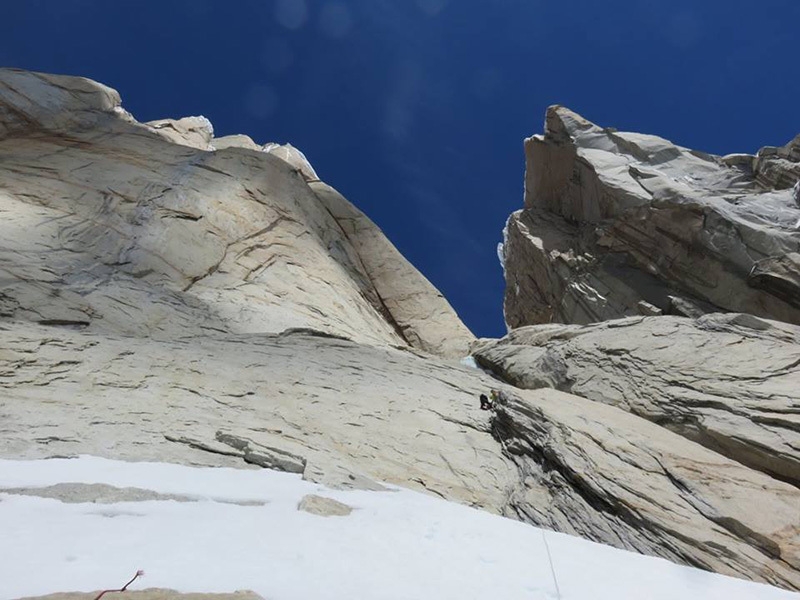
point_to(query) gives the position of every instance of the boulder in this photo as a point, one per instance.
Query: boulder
(324, 507)
(195, 132)
(294, 157)
(235, 141)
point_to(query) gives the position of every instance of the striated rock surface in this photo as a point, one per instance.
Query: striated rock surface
(418, 311)
(353, 416)
(619, 224)
(729, 382)
(778, 168)
(173, 296)
(337, 412)
(112, 225)
(596, 471)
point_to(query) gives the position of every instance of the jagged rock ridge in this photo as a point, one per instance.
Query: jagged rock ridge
(624, 229)
(619, 224)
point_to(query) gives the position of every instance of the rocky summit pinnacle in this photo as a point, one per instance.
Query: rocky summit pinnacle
(618, 224)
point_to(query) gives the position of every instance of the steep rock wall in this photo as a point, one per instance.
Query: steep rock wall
(618, 224)
(147, 229)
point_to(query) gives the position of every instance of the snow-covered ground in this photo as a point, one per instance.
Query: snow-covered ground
(394, 545)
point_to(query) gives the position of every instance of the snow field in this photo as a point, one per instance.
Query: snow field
(397, 545)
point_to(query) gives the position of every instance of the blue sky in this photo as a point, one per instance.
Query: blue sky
(416, 109)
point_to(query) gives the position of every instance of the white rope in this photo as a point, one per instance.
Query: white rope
(552, 568)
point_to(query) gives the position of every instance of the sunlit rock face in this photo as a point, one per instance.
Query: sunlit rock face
(593, 470)
(622, 237)
(729, 382)
(618, 224)
(357, 416)
(173, 296)
(151, 229)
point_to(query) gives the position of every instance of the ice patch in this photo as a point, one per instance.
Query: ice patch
(469, 361)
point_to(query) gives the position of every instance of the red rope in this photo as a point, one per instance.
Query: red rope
(124, 587)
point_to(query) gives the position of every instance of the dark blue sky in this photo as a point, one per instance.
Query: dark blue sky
(416, 109)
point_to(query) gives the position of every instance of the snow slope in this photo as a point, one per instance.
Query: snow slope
(243, 531)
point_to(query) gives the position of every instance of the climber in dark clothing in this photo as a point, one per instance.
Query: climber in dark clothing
(485, 403)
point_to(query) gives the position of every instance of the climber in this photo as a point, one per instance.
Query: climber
(485, 403)
(497, 397)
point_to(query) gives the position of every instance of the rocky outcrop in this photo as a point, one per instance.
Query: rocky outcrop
(323, 507)
(354, 416)
(174, 296)
(729, 382)
(593, 470)
(339, 413)
(195, 132)
(619, 224)
(146, 229)
(778, 168)
(96, 493)
(780, 276)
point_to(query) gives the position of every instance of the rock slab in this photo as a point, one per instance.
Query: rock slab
(324, 507)
(730, 382)
(594, 470)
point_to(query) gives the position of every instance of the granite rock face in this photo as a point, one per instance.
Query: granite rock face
(146, 229)
(594, 470)
(778, 168)
(336, 412)
(730, 382)
(619, 224)
(169, 295)
(665, 394)
(354, 416)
